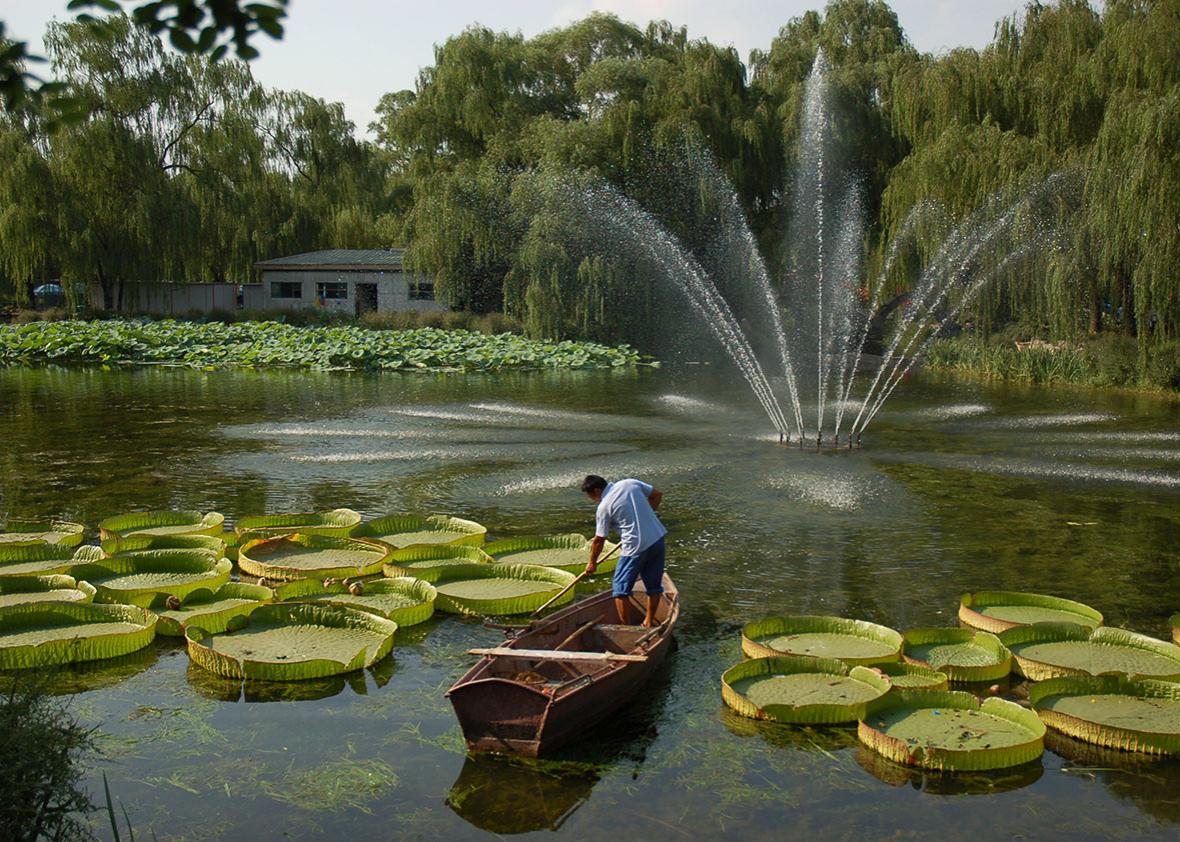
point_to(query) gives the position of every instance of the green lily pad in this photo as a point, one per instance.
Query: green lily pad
(407, 530)
(300, 556)
(997, 611)
(210, 608)
(952, 731)
(564, 552)
(291, 641)
(37, 558)
(161, 523)
(49, 530)
(802, 690)
(428, 562)
(137, 578)
(20, 590)
(914, 676)
(138, 541)
(1112, 711)
(499, 588)
(965, 655)
(405, 600)
(855, 642)
(337, 522)
(42, 634)
(1055, 650)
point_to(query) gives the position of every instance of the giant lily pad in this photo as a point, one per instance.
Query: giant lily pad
(337, 522)
(405, 600)
(802, 690)
(564, 552)
(290, 641)
(952, 731)
(19, 590)
(428, 562)
(138, 541)
(36, 558)
(301, 556)
(210, 608)
(161, 523)
(914, 676)
(499, 588)
(1056, 650)
(1112, 711)
(963, 654)
(138, 578)
(851, 641)
(997, 611)
(42, 634)
(51, 531)
(405, 530)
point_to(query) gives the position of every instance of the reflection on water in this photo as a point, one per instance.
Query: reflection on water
(941, 783)
(959, 487)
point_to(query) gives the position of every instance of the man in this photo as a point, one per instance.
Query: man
(629, 507)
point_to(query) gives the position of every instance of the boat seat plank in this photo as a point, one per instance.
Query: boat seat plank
(618, 627)
(552, 655)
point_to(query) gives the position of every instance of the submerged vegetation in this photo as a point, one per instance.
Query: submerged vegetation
(271, 344)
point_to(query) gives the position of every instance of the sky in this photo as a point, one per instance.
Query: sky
(353, 51)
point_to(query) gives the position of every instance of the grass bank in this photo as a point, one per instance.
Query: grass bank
(265, 344)
(1109, 361)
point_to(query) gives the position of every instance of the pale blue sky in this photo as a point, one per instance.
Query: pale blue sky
(353, 51)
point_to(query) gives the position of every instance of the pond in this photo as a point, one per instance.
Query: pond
(959, 486)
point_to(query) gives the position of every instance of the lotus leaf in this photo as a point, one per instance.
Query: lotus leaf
(997, 611)
(161, 523)
(143, 541)
(290, 641)
(211, 609)
(952, 731)
(39, 634)
(963, 654)
(301, 556)
(405, 530)
(851, 641)
(802, 690)
(478, 588)
(1055, 650)
(405, 600)
(1112, 711)
(337, 522)
(428, 563)
(50, 531)
(36, 558)
(19, 590)
(914, 676)
(136, 578)
(564, 552)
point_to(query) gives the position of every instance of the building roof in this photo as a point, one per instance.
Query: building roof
(379, 259)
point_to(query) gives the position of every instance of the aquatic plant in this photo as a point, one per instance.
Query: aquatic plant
(405, 600)
(965, 655)
(562, 552)
(210, 608)
(1112, 711)
(997, 611)
(161, 523)
(499, 588)
(301, 556)
(137, 578)
(272, 344)
(802, 690)
(18, 590)
(851, 641)
(334, 522)
(408, 530)
(52, 531)
(37, 558)
(428, 561)
(41, 634)
(1055, 650)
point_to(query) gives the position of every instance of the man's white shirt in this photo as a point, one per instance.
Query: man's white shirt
(624, 507)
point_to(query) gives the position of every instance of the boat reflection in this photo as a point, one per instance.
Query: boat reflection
(509, 795)
(949, 783)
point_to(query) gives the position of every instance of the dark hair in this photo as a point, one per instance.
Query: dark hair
(592, 483)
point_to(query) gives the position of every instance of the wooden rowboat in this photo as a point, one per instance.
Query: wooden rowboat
(551, 682)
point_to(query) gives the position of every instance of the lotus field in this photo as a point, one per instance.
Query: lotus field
(277, 345)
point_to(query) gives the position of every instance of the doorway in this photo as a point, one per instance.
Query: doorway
(366, 298)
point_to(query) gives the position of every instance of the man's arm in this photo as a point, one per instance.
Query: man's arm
(654, 499)
(595, 550)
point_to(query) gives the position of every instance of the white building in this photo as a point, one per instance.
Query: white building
(349, 280)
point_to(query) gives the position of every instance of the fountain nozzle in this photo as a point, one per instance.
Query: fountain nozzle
(780, 437)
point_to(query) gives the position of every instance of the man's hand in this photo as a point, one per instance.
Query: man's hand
(591, 567)
(596, 546)
(654, 499)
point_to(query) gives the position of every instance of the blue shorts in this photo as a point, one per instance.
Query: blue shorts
(648, 565)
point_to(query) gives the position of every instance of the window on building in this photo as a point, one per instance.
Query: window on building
(421, 290)
(286, 289)
(331, 291)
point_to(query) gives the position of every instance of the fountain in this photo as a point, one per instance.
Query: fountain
(819, 324)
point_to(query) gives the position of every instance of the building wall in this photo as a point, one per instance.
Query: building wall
(393, 290)
(171, 299)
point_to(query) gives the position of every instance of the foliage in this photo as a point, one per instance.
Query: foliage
(270, 344)
(44, 747)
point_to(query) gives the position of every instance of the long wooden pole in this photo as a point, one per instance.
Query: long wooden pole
(577, 579)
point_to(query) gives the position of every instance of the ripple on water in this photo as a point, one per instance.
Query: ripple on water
(1062, 419)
